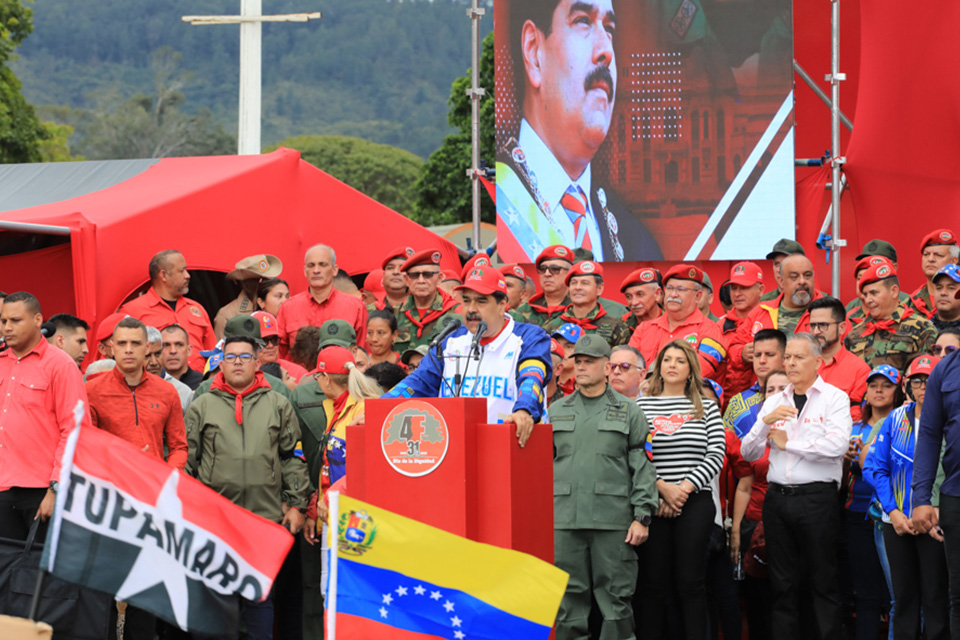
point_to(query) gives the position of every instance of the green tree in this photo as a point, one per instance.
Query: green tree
(56, 148)
(386, 174)
(20, 130)
(444, 193)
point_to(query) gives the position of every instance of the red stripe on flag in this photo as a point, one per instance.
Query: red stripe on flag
(349, 626)
(492, 190)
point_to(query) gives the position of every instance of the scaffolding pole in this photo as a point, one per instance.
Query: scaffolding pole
(837, 160)
(475, 92)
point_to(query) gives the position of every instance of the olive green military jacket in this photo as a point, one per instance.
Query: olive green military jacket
(307, 401)
(608, 326)
(602, 476)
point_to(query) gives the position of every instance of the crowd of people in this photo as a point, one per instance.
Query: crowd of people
(748, 475)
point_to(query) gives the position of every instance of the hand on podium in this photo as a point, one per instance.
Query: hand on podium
(524, 423)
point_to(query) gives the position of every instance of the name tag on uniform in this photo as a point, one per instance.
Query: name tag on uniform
(561, 418)
(616, 414)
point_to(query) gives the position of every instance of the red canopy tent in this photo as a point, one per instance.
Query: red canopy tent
(215, 210)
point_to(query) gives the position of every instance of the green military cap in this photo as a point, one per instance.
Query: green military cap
(243, 325)
(580, 254)
(878, 248)
(337, 332)
(707, 282)
(592, 345)
(787, 248)
(422, 350)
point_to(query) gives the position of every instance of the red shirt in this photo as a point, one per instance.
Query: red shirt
(652, 335)
(38, 394)
(149, 414)
(758, 490)
(303, 310)
(736, 376)
(154, 311)
(848, 373)
(764, 316)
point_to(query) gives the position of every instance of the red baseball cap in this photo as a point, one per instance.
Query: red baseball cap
(450, 274)
(427, 256)
(555, 252)
(374, 281)
(477, 260)
(922, 366)
(940, 236)
(557, 348)
(513, 271)
(105, 330)
(584, 268)
(335, 359)
(268, 324)
(646, 275)
(876, 273)
(399, 252)
(745, 274)
(684, 272)
(868, 261)
(484, 280)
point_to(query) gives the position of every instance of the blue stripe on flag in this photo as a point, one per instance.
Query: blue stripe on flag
(712, 350)
(400, 601)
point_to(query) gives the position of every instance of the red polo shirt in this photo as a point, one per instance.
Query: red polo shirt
(153, 311)
(652, 335)
(303, 310)
(38, 394)
(848, 373)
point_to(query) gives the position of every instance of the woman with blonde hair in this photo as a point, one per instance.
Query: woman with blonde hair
(687, 447)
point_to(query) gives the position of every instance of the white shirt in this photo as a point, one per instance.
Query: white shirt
(817, 438)
(552, 181)
(185, 392)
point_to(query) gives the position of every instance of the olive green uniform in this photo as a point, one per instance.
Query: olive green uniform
(897, 344)
(856, 315)
(608, 325)
(536, 313)
(407, 337)
(603, 480)
(275, 383)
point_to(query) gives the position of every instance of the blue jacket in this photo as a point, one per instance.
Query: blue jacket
(889, 465)
(741, 413)
(940, 422)
(511, 374)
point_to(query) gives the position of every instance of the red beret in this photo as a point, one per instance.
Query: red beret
(374, 281)
(646, 275)
(105, 330)
(745, 274)
(869, 261)
(399, 252)
(450, 274)
(584, 268)
(556, 348)
(427, 256)
(556, 252)
(513, 271)
(876, 273)
(484, 280)
(684, 272)
(940, 236)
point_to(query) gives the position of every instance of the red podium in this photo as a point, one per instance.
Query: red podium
(434, 460)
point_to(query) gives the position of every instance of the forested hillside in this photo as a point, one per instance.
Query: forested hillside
(373, 69)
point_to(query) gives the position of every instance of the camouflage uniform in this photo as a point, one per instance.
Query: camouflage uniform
(598, 321)
(439, 311)
(855, 310)
(922, 302)
(895, 341)
(536, 312)
(771, 295)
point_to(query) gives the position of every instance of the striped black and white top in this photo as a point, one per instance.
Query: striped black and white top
(684, 448)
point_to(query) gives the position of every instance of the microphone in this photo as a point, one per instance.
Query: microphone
(452, 326)
(47, 329)
(475, 346)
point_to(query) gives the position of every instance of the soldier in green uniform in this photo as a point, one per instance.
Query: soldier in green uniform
(552, 266)
(872, 254)
(707, 299)
(516, 280)
(427, 308)
(307, 401)
(585, 282)
(643, 290)
(394, 284)
(894, 333)
(604, 496)
(781, 250)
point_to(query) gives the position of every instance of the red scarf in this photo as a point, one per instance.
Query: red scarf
(539, 308)
(259, 382)
(888, 325)
(583, 323)
(446, 303)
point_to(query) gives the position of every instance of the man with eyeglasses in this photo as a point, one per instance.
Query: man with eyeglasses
(840, 368)
(947, 288)
(788, 312)
(643, 290)
(585, 284)
(746, 289)
(894, 333)
(427, 309)
(552, 265)
(625, 371)
(683, 320)
(243, 439)
(938, 249)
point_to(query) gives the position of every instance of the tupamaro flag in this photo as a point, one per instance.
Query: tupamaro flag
(127, 524)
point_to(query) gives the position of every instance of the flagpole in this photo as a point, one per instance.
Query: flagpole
(333, 519)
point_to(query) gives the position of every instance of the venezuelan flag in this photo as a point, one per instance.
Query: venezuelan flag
(393, 577)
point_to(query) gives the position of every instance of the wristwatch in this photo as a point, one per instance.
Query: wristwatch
(644, 520)
(54, 486)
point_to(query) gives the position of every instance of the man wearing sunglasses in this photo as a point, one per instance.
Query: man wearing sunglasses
(947, 297)
(626, 370)
(427, 309)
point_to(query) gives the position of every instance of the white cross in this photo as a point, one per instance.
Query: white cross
(250, 20)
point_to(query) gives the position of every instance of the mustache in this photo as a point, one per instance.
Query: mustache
(473, 317)
(677, 300)
(600, 74)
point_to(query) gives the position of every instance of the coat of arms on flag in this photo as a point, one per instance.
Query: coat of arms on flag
(129, 525)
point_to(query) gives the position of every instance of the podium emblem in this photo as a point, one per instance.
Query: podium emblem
(414, 438)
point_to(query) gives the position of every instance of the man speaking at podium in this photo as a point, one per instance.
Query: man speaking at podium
(489, 356)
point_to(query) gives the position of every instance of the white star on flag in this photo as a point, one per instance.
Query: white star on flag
(419, 590)
(387, 598)
(435, 595)
(155, 566)
(401, 591)
(455, 621)
(459, 635)
(448, 606)
(383, 612)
